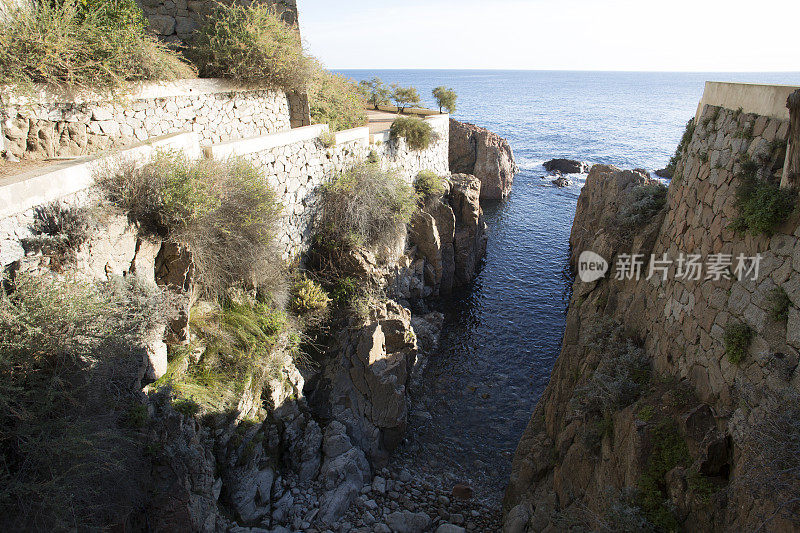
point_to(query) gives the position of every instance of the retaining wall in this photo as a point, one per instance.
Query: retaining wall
(396, 155)
(765, 100)
(48, 124)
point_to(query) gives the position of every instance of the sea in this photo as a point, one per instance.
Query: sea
(503, 334)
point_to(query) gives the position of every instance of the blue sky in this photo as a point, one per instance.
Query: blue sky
(662, 35)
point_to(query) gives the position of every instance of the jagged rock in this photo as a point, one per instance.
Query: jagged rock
(663, 173)
(343, 473)
(562, 181)
(174, 269)
(484, 154)
(470, 235)
(566, 166)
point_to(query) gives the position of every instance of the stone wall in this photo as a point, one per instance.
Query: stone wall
(175, 20)
(59, 125)
(395, 154)
(765, 100)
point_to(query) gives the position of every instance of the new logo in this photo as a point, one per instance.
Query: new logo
(591, 267)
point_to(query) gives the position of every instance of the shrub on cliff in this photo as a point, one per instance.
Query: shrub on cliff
(643, 203)
(362, 206)
(308, 297)
(336, 101)
(404, 97)
(682, 145)
(252, 44)
(445, 99)
(375, 92)
(223, 210)
(429, 185)
(762, 206)
(418, 133)
(737, 339)
(70, 355)
(86, 44)
(58, 231)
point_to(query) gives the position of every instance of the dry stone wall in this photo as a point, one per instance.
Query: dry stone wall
(214, 109)
(395, 153)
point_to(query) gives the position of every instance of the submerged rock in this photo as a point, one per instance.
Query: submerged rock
(484, 154)
(561, 181)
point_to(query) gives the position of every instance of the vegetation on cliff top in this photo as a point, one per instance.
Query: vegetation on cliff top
(85, 44)
(336, 101)
(222, 210)
(445, 99)
(418, 133)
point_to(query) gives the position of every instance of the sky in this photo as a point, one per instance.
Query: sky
(644, 35)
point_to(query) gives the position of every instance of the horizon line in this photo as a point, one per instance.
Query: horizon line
(575, 70)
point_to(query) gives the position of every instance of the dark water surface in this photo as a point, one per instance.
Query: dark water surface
(503, 334)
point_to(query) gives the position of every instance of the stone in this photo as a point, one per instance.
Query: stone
(562, 181)
(408, 522)
(566, 166)
(484, 154)
(162, 24)
(462, 491)
(450, 528)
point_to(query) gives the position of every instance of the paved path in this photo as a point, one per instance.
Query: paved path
(380, 121)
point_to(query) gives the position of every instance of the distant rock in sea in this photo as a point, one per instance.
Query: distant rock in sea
(567, 166)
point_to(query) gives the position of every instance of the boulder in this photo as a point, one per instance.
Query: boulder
(562, 181)
(663, 173)
(485, 155)
(408, 522)
(567, 166)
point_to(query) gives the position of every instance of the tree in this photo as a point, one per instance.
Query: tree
(404, 97)
(445, 98)
(375, 92)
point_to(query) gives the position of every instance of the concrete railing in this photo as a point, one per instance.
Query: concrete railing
(22, 192)
(766, 100)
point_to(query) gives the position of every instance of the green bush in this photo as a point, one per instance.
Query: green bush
(417, 132)
(336, 101)
(644, 202)
(70, 353)
(223, 210)
(779, 304)
(327, 139)
(682, 145)
(252, 44)
(737, 338)
(429, 185)
(361, 206)
(58, 230)
(445, 99)
(375, 92)
(309, 297)
(86, 44)
(762, 206)
(404, 97)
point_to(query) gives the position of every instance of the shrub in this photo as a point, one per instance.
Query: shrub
(252, 44)
(223, 211)
(644, 202)
(404, 97)
(70, 356)
(669, 450)
(336, 101)
(58, 230)
(417, 132)
(737, 338)
(779, 304)
(429, 185)
(309, 297)
(445, 99)
(762, 206)
(86, 44)
(375, 92)
(682, 146)
(361, 206)
(373, 157)
(327, 139)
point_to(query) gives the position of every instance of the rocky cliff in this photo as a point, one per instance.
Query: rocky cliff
(484, 154)
(673, 403)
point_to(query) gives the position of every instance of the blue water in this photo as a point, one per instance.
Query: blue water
(503, 334)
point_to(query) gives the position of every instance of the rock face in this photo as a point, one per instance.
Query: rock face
(484, 154)
(677, 434)
(567, 166)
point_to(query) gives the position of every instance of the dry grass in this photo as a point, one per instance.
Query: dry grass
(223, 210)
(83, 45)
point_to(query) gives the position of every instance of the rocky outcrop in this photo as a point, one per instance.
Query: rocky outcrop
(567, 166)
(791, 169)
(648, 422)
(484, 154)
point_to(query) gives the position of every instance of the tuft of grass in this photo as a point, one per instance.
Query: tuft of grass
(360, 207)
(417, 132)
(223, 210)
(779, 304)
(645, 414)
(252, 44)
(737, 338)
(669, 450)
(336, 101)
(83, 44)
(429, 185)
